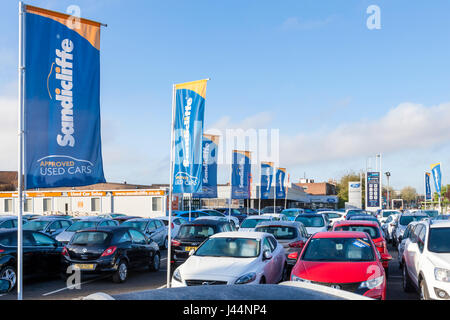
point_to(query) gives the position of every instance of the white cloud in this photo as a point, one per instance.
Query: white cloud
(408, 126)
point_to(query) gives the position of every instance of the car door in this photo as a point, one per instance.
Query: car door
(161, 231)
(417, 258)
(151, 231)
(278, 256)
(412, 252)
(48, 252)
(139, 248)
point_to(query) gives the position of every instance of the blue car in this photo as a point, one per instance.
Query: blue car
(292, 213)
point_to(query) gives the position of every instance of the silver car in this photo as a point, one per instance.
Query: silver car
(292, 235)
(155, 229)
(84, 223)
(401, 246)
(402, 222)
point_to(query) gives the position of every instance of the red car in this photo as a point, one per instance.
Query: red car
(372, 228)
(343, 260)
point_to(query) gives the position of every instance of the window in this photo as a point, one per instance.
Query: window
(156, 204)
(47, 204)
(273, 243)
(55, 226)
(266, 246)
(151, 226)
(159, 224)
(42, 240)
(125, 237)
(137, 237)
(8, 205)
(28, 205)
(65, 224)
(95, 204)
(7, 225)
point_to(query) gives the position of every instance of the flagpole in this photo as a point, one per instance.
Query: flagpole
(260, 185)
(20, 154)
(172, 143)
(286, 191)
(275, 191)
(231, 187)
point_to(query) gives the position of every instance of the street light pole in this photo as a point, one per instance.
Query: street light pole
(388, 174)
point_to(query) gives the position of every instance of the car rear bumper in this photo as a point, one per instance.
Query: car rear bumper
(100, 266)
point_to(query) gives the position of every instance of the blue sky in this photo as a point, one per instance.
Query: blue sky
(311, 69)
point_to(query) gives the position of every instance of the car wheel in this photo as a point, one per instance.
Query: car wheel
(155, 263)
(424, 291)
(407, 285)
(9, 273)
(121, 274)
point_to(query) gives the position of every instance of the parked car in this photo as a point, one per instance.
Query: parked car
(276, 216)
(84, 223)
(9, 222)
(176, 224)
(41, 255)
(333, 216)
(31, 216)
(248, 211)
(112, 215)
(402, 241)
(372, 228)
(431, 213)
(313, 222)
(232, 225)
(204, 213)
(250, 223)
(233, 258)
(341, 260)
(292, 235)
(426, 260)
(441, 217)
(292, 213)
(389, 226)
(215, 213)
(192, 234)
(122, 219)
(234, 213)
(384, 214)
(49, 225)
(403, 220)
(354, 212)
(276, 209)
(365, 217)
(152, 228)
(113, 249)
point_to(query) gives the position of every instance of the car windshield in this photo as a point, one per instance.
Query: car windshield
(271, 210)
(80, 225)
(405, 220)
(339, 250)
(35, 225)
(90, 238)
(279, 232)
(314, 222)
(139, 225)
(373, 232)
(431, 213)
(438, 240)
(251, 223)
(388, 213)
(230, 247)
(195, 231)
(290, 213)
(214, 213)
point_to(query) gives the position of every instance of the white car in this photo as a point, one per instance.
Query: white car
(276, 216)
(250, 223)
(229, 258)
(389, 225)
(384, 215)
(333, 216)
(176, 224)
(426, 260)
(313, 222)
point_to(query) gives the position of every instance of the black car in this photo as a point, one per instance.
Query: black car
(112, 250)
(41, 255)
(191, 235)
(152, 228)
(51, 226)
(276, 209)
(234, 212)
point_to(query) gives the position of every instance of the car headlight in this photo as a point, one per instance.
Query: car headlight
(442, 274)
(177, 275)
(295, 278)
(373, 283)
(246, 278)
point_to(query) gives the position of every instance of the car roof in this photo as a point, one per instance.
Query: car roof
(356, 222)
(240, 234)
(440, 224)
(107, 229)
(309, 215)
(7, 217)
(141, 219)
(92, 218)
(339, 234)
(260, 217)
(205, 222)
(280, 223)
(51, 219)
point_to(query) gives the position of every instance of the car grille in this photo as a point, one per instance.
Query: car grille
(351, 287)
(204, 282)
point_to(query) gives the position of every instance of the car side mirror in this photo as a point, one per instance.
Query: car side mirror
(386, 257)
(267, 255)
(191, 252)
(5, 285)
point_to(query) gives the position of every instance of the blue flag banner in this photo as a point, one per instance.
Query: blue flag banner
(241, 175)
(427, 186)
(209, 170)
(436, 171)
(62, 100)
(280, 183)
(266, 180)
(188, 133)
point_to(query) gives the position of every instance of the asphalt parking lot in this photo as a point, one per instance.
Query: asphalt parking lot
(55, 288)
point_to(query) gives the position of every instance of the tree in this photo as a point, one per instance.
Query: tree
(342, 188)
(408, 194)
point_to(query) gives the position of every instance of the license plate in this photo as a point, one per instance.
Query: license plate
(190, 248)
(85, 266)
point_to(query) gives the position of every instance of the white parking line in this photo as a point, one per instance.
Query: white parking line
(72, 286)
